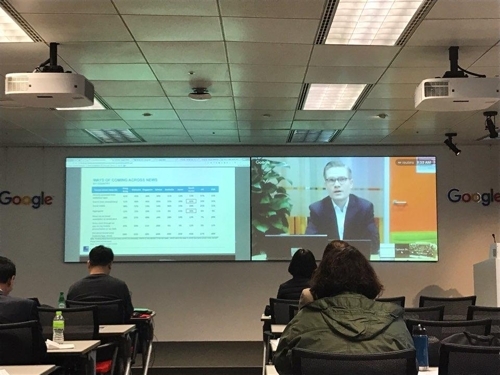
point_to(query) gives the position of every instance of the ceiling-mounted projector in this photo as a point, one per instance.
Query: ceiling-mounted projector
(455, 91)
(49, 86)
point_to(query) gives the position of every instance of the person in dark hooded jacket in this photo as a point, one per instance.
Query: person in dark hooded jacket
(343, 317)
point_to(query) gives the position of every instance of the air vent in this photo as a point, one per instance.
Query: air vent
(19, 83)
(326, 21)
(362, 97)
(312, 136)
(23, 24)
(303, 96)
(436, 89)
(415, 22)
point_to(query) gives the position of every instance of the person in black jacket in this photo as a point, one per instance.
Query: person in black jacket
(17, 310)
(301, 268)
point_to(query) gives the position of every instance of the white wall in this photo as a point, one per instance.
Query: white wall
(223, 301)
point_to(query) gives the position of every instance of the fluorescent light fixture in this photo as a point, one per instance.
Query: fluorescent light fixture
(332, 96)
(115, 135)
(312, 136)
(10, 32)
(371, 22)
(94, 107)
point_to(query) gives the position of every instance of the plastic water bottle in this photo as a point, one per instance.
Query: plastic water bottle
(61, 302)
(58, 328)
(421, 341)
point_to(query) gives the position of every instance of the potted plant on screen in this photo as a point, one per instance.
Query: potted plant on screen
(271, 204)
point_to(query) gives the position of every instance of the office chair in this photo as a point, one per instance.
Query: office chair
(400, 301)
(108, 312)
(279, 310)
(458, 359)
(439, 330)
(80, 323)
(435, 313)
(306, 362)
(18, 344)
(483, 312)
(454, 308)
(292, 311)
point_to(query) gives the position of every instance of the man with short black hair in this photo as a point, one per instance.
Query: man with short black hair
(17, 310)
(99, 285)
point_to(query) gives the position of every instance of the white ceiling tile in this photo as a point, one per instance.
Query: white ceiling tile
(268, 53)
(214, 103)
(363, 115)
(101, 53)
(210, 125)
(8, 125)
(29, 115)
(210, 132)
(137, 102)
(88, 115)
(264, 125)
(489, 71)
(267, 73)
(168, 7)
(272, 9)
(19, 137)
(63, 6)
(343, 74)
(323, 115)
(78, 141)
(59, 134)
(207, 114)
(184, 52)
(183, 89)
(91, 125)
(455, 9)
(154, 114)
(215, 139)
(319, 125)
(167, 139)
(262, 89)
(270, 30)
(491, 58)
(263, 140)
(16, 68)
(423, 57)
(358, 140)
(266, 103)
(374, 123)
(264, 133)
(32, 54)
(336, 55)
(263, 115)
(172, 28)
(128, 88)
(161, 132)
(156, 124)
(414, 139)
(483, 32)
(366, 132)
(79, 27)
(393, 103)
(423, 119)
(115, 72)
(180, 72)
(410, 75)
(395, 90)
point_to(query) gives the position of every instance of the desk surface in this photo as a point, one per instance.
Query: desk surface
(81, 347)
(277, 328)
(29, 370)
(138, 318)
(265, 318)
(116, 329)
(270, 370)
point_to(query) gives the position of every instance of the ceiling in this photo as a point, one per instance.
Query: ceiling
(254, 56)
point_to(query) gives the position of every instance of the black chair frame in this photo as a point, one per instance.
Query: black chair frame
(273, 301)
(447, 348)
(439, 309)
(19, 356)
(68, 310)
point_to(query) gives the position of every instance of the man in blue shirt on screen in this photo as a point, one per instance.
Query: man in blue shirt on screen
(342, 215)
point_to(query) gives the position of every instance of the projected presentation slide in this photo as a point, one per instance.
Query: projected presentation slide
(158, 209)
(384, 206)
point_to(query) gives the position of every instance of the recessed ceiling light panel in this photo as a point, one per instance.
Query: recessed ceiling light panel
(332, 96)
(10, 32)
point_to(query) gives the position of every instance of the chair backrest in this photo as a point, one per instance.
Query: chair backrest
(457, 359)
(400, 301)
(483, 312)
(80, 323)
(108, 312)
(306, 362)
(292, 311)
(279, 310)
(439, 330)
(435, 313)
(18, 345)
(454, 308)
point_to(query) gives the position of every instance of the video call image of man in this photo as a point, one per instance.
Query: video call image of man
(17, 310)
(99, 285)
(342, 215)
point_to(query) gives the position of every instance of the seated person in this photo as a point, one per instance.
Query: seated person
(301, 268)
(343, 316)
(99, 285)
(17, 310)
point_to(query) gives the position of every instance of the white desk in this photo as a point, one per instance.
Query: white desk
(116, 329)
(274, 344)
(29, 370)
(81, 348)
(145, 326)
(265, 318)
(270, 370)
(277, 328)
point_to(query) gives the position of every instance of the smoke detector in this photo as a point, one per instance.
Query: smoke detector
(200, 94)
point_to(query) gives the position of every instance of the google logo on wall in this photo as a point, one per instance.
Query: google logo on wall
(35, 201)
(485, 199)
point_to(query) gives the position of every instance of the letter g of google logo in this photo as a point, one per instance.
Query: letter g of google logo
(35, 201)
(485, 199)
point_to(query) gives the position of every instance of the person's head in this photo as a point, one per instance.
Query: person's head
(338, 181)
(302, 264)
(344, 269)
(7, 275)
(100, 259)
